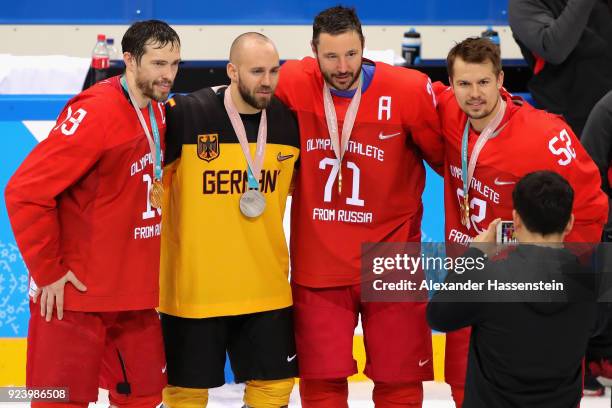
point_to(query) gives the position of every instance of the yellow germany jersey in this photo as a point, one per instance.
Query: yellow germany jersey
(214, 260)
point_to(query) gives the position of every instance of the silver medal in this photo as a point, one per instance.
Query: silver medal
(252, 203)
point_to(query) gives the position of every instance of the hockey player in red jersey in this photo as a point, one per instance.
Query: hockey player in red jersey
(84, 207)
(365, 128)
(492, 139)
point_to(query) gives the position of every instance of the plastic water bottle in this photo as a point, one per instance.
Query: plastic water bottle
(411, 46)
(100, 59)
(112, 50)
(491, 34)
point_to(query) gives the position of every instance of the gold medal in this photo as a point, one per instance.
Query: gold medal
(156, 194)
(340, 142)
(465, 211)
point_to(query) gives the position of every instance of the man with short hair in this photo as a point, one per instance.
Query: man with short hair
(495, 138)
(230, 154)
(492, 139)
(84, 207)
(526, 346)
(366, 128)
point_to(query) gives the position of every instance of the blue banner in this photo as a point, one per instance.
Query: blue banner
(15, 143)
(240, 12)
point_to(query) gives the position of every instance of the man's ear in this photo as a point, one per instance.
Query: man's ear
(516, 219)
(500, 80)
(232, 72)
(129, 61)
(569, 226)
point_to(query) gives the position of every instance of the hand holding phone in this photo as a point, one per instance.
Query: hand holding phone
(505, 233)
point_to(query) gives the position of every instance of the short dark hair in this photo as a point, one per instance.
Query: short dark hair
(543, 200)
(336, 20)
(475, 50)
(149, 32)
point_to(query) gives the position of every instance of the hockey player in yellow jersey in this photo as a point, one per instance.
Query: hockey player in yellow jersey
(230, 154)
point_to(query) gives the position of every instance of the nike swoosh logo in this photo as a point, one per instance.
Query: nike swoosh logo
(290, 359)
(164, 369)
(498, 182)
(382, 136)
(281, 158)
(423, 362)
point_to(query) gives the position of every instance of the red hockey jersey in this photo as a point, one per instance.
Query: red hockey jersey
(383, 175)
(529, 140)
(80, 202)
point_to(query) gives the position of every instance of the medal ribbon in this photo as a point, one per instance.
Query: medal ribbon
(485, 135)
(254, 166)
(154, 143)
(338, 145)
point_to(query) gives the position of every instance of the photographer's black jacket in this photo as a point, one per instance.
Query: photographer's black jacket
(524, 351)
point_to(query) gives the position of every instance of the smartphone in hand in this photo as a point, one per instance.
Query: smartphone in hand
(505, 233)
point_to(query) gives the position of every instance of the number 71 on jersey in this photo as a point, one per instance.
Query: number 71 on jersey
(333, 175)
